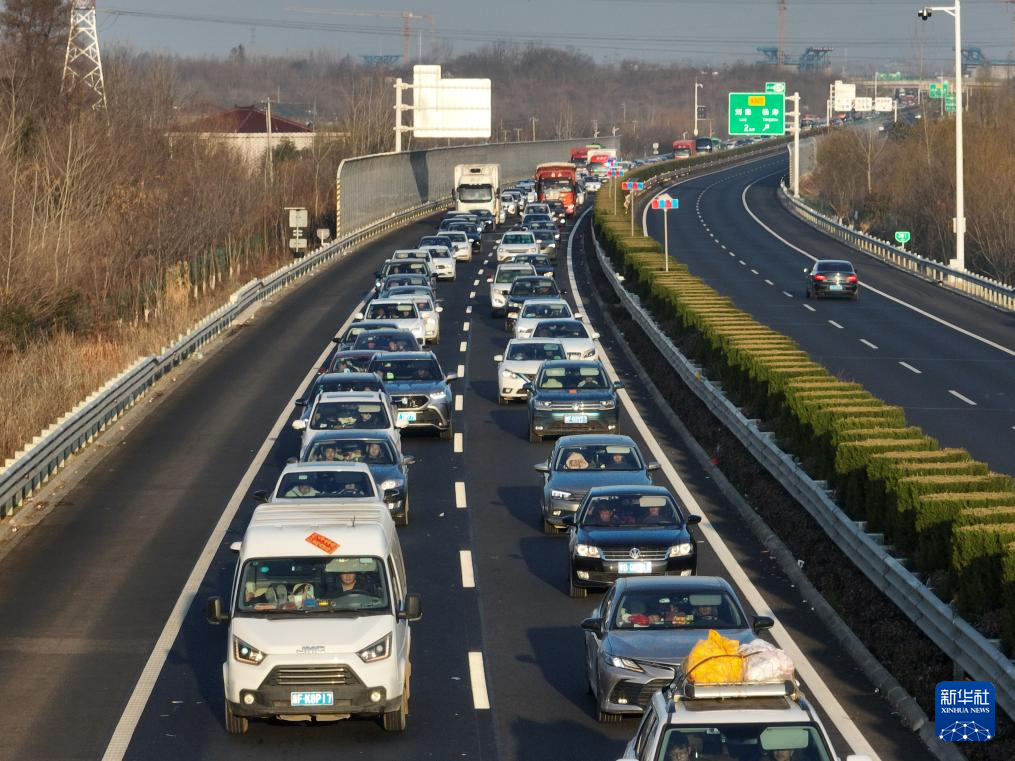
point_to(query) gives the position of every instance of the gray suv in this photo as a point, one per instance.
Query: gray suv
(418, 388)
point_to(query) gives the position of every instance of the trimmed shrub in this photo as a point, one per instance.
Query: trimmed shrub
(1008, 598)
(976, 565)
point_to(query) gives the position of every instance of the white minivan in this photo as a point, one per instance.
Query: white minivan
(318, 618)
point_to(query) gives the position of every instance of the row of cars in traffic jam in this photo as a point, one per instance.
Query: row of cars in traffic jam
(320, 561)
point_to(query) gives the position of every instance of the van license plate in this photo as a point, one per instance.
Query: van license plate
(406, 417)
(576, 419)
(311, 698)
(638, 567)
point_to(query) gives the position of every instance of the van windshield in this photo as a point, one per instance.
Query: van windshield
(327, 584)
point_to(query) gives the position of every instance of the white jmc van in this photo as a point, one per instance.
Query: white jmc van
(318, 618)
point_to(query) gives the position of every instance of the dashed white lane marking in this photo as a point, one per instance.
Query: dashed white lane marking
(463, 346)
(459, 443)
(865, 342)
(733, 255)
(460, 494)
(834, 324)
(722, 246)
(468, 573)
(479, 271)
(475, 283)
(472, 295)
(465, 326)
(468, 309)
(807, 306)
(459, 403)
(965, 399)
(743, 263)
(461, 371)
(754, 271)
(769, 281)
(477, 676)
(911, 368)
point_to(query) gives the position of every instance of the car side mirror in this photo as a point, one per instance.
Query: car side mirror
(412, 608)
(336, 340)
(358, 315)
(527, 388)
(652, 466)
(594, 624)
(214, 611)
(567, 520)
(761, 623)
(579, 316)
(489, 280)
(806, 270)
(563, 291)
(291, 461)
(451, 377)
(300, 403)
(439, 310)
(498, 358)
(260, 496)
(408, 459)
(299, 425)
(541, 467)
(595, 336)
(692, 520)
(618, 384)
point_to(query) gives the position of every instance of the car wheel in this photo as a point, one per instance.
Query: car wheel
(394, 721)
(448, 433)
(576, 592)
(403, 520)
(549, 528)
(501, 400)
(436, 339)
(856, 295)
(236, 725)
(807, 293)
(605, 717)
(534, 438)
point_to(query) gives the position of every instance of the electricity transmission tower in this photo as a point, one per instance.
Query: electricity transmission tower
(82, 65)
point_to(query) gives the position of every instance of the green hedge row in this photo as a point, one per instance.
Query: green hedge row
(943, 511)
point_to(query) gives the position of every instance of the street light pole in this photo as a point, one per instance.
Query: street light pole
(697, 86)
(959, 223)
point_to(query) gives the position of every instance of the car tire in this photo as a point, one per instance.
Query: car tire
(236, 725)
(502, 401)
(448, 433)
(576, 592)
(807, 293)
(534, 438)
(436, 339)
(605, 717)
(549, 528)
(394, 721)
(855, 296)
(403, 520)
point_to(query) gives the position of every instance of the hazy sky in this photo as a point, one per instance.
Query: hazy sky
(864, 33)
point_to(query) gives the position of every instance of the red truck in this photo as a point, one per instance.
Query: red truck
(683, 149)
(557, 182)
(579, 156)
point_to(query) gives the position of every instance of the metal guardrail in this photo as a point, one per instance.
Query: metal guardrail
(46, 453)
(970, 650)
(979, 287)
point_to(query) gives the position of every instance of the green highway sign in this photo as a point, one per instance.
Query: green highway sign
(902, 236)
(775, 88)
(938, 89)
(757, 113)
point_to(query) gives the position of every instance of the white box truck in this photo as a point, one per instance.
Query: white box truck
(477, 188)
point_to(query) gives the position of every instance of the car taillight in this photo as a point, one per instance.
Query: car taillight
(851, 279)
(819, 277)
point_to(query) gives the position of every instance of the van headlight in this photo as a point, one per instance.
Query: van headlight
(586, 551)
(680, 550)
(245, 653)
(378, 651)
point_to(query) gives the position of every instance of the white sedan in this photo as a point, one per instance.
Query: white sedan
(573, 335)
(403, 314)
(516, 243)
(534, 310)
(520, 362)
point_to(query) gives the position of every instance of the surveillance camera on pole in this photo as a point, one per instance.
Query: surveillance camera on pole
(924, 13)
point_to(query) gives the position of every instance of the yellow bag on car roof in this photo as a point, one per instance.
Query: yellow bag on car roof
(714, 660)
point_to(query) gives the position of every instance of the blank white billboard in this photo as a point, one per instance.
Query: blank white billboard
(449, 107)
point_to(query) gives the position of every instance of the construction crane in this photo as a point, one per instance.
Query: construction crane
(406, 16)
(782, 32)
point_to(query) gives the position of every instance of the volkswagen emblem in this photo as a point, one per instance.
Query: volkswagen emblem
(635, 553)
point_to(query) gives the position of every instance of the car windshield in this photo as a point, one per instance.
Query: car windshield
(397, 311)
(543, 227)
(356, 330)
(313, 585)
(325, 484)
(331, 385)
(370, 451)
(686, 609)
(335, 415)
(344, 363)
(645, 511)
(475, 193)
(598, 457)
(407, 369)
(517, 239)
(530, 218)
(535, 352)
(457, 235)
(572, 378)
(440, 252)
(534, 287)
(397, 280)
(434, 240)
(834, 267)
(536, 260)
(560, 330)
(510, 275)
(407, 266)
(382, 340)
(546, 310)
(776, 742)
(410, 255)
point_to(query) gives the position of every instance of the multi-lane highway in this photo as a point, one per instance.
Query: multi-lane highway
(948, 360)
(106, 649)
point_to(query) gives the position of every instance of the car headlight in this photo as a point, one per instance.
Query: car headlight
(439, 396)
(624, 663)
(558, 494)
(544, 405)
(586, 551)
(378, 651)
(392, 483)
(607, 404)
(589, 354)
(680, 550)
(245, 653)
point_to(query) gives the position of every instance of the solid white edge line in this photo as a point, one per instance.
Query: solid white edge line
(911, 368)
(468, 309)
(465, 326)
(822, 694)
(965, 399)
(463, 346)
(865, 342)
(460, 495)
(124, 731)
(900, 302)
(461, 371)
(459, 403)
(477, 678)
(459, 443)
(468, 572)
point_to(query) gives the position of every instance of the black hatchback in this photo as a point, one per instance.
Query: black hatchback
(832, 277)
